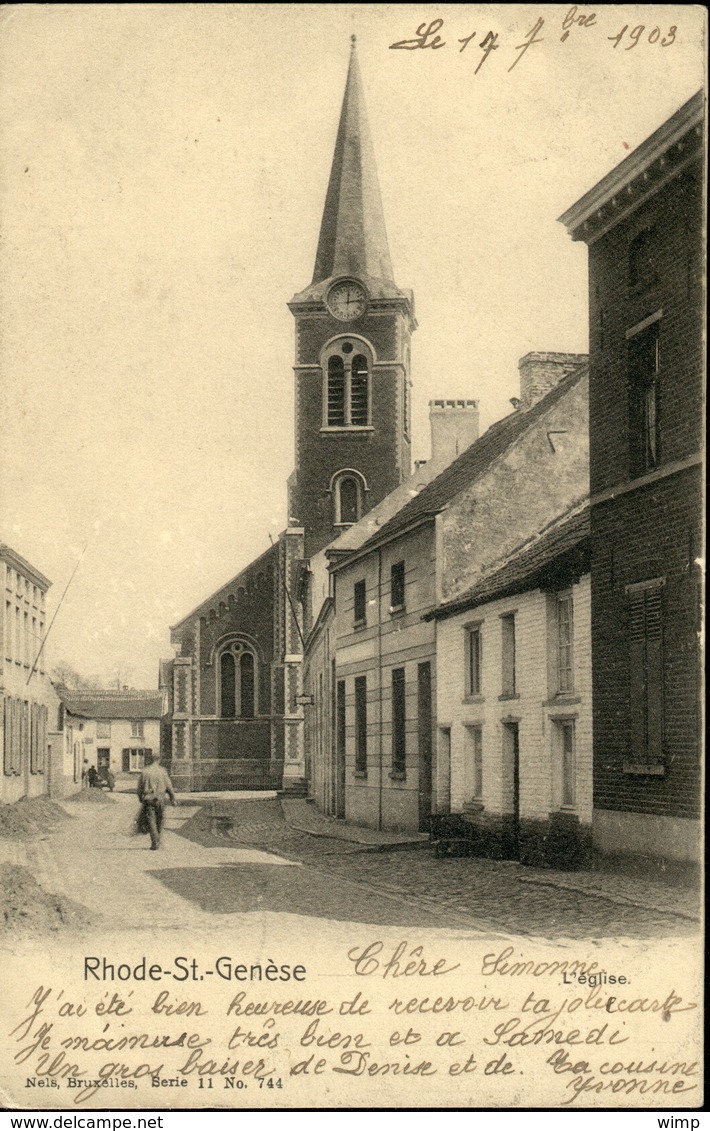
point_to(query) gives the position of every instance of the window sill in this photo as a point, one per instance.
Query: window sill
(359, 624)
(336, 429)
(473, 806)
(640, 769)
(361, 774)
(397, 775)
(397, 610)
(563, 699)
(473, 699)
(508, 695)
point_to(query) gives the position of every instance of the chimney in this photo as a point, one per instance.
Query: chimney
(540, 372)
(454, 427)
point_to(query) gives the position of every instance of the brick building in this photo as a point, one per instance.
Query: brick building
(514, 701)
(643, 227)
(235, 683)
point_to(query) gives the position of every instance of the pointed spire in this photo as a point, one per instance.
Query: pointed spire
(353, 239)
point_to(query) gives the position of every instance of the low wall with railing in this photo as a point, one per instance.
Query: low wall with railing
(229, 754)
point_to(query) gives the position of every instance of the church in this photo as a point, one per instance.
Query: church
(234, 688)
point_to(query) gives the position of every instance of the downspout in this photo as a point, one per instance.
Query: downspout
(381, 689)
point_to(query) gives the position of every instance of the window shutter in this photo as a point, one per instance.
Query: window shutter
(654, 675)
(7, 724)
(637, 675)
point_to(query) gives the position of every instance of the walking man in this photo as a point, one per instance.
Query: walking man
(153, 784)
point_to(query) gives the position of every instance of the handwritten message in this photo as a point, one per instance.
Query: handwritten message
(481, 1020)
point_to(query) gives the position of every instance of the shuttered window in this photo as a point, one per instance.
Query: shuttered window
(399, 721)
(8, 761)
(474, 659)
(646, 672)
(397, 582)
(359, 602)
(565, 637)
(644, 400)
(361, 724)
(507, 623)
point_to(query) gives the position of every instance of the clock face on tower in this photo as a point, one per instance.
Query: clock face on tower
(347, 300)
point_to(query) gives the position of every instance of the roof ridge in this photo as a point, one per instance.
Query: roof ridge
(446, 482)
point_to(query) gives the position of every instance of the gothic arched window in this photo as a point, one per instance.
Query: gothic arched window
(347, 384)
(237, 682)
(246, 679)
(228, 686)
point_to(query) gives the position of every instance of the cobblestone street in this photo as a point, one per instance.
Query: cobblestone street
(225, 858)
(499, 896)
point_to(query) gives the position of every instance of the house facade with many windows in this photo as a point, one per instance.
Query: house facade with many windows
(29, 703)
(524, 472)
(643, 224)
(514, 701)
(119, 730)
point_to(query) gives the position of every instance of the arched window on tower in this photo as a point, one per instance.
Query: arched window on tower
(336, 391)
(348, 488)
(237, 682)
(349, 500)
(347, 365)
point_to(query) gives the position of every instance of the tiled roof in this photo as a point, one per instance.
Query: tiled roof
(472, 463)
(113, 704)
(546, 559)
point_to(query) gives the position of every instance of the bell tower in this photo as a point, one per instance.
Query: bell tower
(353, 330)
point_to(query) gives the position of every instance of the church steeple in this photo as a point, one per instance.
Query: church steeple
(353, 238)
(353, 331)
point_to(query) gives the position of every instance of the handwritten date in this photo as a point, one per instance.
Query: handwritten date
(428, 37)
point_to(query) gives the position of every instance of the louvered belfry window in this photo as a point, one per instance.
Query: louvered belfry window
(646, 672)
(358, 391)
(336, 392)
(347, 388)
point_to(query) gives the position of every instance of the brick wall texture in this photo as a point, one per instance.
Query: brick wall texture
(652, 527)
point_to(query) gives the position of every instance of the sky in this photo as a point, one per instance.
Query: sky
(164, 170)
